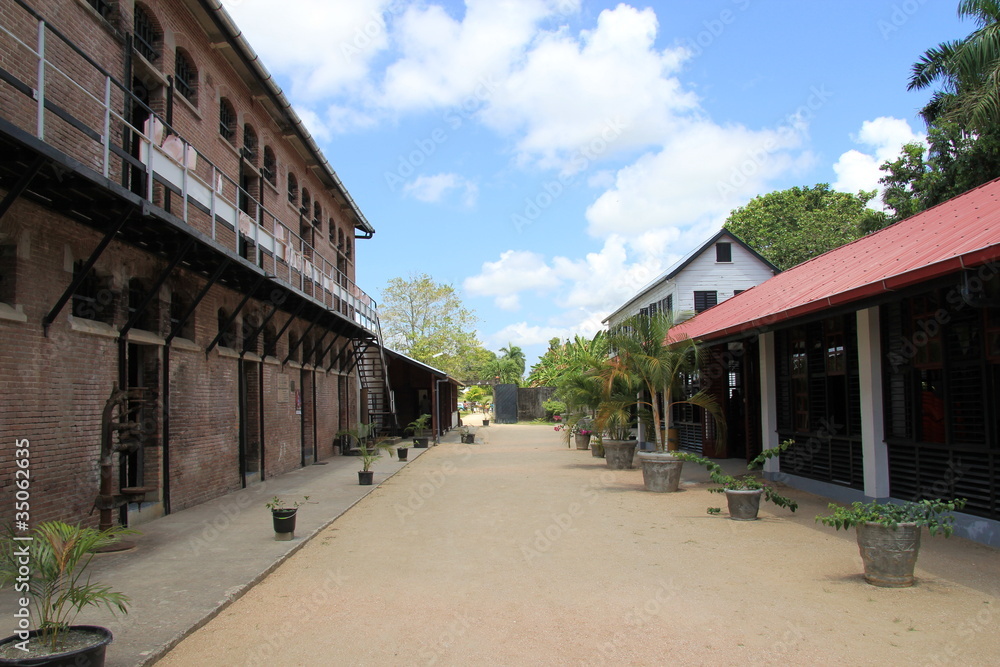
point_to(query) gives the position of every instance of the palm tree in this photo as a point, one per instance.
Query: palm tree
(967, 70)
(515, 355)
(643, 361)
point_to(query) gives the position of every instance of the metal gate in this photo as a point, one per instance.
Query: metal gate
(505, 404)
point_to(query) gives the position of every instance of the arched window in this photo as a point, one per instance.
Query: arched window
(348, 247)
(147, 36)
(306, 202)
(340, 240)
(293, 188)
(270, 169)
(227, 121)
(250, 144)
(185, 76)
(333, 231)
(317, 216)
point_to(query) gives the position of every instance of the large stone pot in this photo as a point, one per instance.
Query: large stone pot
(582, 441)
(744, 504)
(597, 450)
(889, 554)
(661, 471)
(618, 453)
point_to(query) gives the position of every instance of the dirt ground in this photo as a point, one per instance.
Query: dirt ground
(520, 551)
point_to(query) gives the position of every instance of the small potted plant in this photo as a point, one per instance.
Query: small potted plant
(743, 493)
(888, 534)
(468, 437)
(371, 451)
(402, 452)
(283, 516)
(418, 428)
(56, 555)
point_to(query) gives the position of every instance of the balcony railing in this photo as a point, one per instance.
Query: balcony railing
(79, 115)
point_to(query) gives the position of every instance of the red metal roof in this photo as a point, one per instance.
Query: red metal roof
(961, 232)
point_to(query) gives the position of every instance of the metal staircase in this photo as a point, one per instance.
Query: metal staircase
(373, 375)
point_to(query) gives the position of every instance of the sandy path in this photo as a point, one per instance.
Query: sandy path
(523, 552)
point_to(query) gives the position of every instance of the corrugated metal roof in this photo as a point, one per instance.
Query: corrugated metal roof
(961, 232)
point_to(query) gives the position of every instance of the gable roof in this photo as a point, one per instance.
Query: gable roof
(684, 261)
(959, 233)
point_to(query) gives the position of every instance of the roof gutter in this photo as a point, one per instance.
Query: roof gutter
(231, 31)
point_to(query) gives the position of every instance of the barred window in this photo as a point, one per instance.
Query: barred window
(147, 37)
(250, 145)
(185, 77)
(293, 188)
(270, 169)
(105, 8)
(227, 120)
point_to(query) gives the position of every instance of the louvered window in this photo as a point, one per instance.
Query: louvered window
(705, 300)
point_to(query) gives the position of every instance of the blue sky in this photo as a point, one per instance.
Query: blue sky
(548, 158)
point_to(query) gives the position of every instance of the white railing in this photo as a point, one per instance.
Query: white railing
(165, 157)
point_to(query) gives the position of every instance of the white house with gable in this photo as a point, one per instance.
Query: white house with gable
(718, 269)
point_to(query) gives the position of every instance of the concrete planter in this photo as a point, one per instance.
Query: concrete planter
(582, 441)
(889, 554)
(661, 472)
(597, 450)
(618, 453)
(744, 504)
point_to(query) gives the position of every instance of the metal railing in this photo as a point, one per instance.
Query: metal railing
(157, 154)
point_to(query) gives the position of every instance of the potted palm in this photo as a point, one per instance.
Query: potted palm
(371, 451)
(644, 365)
(743, 493)
(283, 513)
(888, 534)
(47, 569)
(418, 428)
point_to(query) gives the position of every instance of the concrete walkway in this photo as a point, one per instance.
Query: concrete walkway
(188, 566)
(523, 552)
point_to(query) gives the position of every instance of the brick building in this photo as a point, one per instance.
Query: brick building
(169, 227)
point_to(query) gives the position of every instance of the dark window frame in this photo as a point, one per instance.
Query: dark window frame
(185, 76)
(705, 299)
(724, 253)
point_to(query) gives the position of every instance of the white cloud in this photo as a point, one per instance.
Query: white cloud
(576, 98)
(884, 137)
(516, 271)
(444, 60)
(701, 173)
(324, 47)
(433, 189)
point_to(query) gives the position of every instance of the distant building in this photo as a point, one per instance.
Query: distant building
(715, 271)
(711, 273)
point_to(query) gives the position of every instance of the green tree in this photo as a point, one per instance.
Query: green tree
(427, 321)
(966, 71)
(953, 162)
(515, 356)
(791, 226)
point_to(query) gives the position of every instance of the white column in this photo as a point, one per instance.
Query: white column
(873, 447)
(768, 399)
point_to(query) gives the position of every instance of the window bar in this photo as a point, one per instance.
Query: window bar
(212, 187)
(107, 126)
(40, 123)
